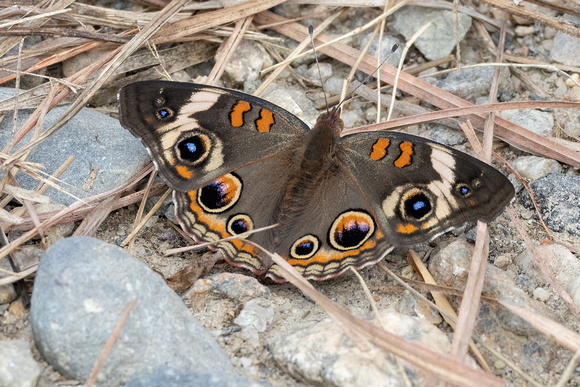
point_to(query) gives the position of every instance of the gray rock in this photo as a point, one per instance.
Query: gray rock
(323, 355)
(446, 136)
(82, 287)
(450, 266)
(235, 286)
(541, 294)
(558, 197)
(566, 47)
(170, 377)
(536, 121)
(533, 167)
(561, 262)
(7, 294)
(247, 61)
(386, 46)
(98, 143)
(17, 366)
(292, 100)
(58, 231)
(438, 41)
(474, 82)
(258, 313)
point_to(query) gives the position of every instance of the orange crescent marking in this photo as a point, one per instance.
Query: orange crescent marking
(323, 258)
(380, 149)
(219, 227)
(237, 114)
(184, 172)
(265, 122)
(406, 228)
(405, 157)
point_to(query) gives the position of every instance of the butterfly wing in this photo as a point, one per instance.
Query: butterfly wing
(322, 230)
(196, 133)
(419, 189)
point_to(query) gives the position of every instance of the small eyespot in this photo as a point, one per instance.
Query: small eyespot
(164, 114)
(159, 101)
(221, 194)
(463, 190)
(194, 149)
(350, 230)
(305, 247)
(416, 205)
(476, 183)
(239, 224)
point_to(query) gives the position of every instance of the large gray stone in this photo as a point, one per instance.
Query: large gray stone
(82, 287)
(439, 39)
(558, 197)
(98, 143)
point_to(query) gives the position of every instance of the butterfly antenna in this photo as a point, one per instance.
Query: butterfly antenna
(393, 49)
(311, 33)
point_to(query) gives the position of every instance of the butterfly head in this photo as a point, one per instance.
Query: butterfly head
(331, 119)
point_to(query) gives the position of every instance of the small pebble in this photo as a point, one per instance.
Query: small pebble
(541, 294)
(503, 261)
(499, 364)
(574, 80)
(7, 294)
(534, 167)
(524, 30)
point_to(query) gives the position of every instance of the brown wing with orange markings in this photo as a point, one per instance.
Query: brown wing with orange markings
(196, 133)
(419, 189)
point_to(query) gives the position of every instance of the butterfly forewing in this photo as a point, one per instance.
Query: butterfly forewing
(197, 133)
(419, 188)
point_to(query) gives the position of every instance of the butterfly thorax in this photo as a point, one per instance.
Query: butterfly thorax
(318, 159)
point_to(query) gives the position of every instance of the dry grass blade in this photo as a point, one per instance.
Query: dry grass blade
(548, 327)
(539, 262)
(442, 302)
(178, 30)
(470, 302)
(97, 216)
(18, 276)
(78, 213)
(464, 112)
(512, 133)
(8, 219)
(227, 49)
(138, 228)
(439, 365)
(139, 214)
(109, 345)
(25, 194)
(173, 7)
(62, 216)
(542, 17)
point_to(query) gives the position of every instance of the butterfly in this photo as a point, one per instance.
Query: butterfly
(237, 163)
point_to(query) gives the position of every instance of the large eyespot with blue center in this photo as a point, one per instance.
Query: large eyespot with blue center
(351, 229)
(416, 205)
(305, 247)
(239, 224)
(221, 194)
(463, 190)
(194, 149)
